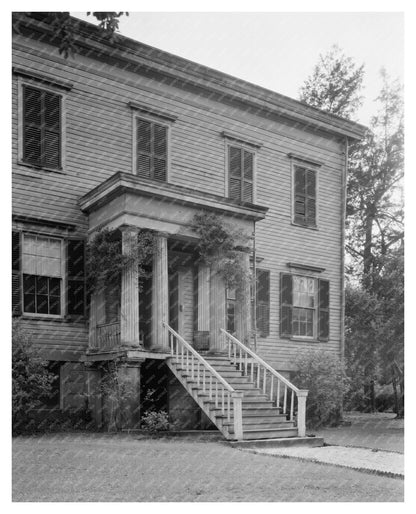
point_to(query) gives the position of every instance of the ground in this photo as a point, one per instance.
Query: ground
(100, 467)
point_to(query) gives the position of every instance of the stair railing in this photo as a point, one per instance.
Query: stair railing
(274, 385)
(208, 380)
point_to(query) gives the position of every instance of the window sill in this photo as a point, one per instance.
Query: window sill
(300, 339)
(35, 167)
(47, 317)
(310, 227)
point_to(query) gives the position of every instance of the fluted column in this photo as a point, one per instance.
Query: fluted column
(243, 304)
(203, 297)
(129, 311)
(160, 294)
(217, 312)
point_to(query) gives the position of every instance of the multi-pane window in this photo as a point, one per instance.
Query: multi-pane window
(304, 306)
(151, 150)
(41, 127)
(240, 174)
(42, 274)
(305, 196)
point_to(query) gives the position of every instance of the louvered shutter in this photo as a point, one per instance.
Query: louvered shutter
(152, 150)
(300, 195)
(234, 172)
(160, 145)
(16, 274)
(41, 127)
(247, 192)
(263, 302)
(76, 277)
(286, 303)
(144, 148)
(311, 197)
(323, 310)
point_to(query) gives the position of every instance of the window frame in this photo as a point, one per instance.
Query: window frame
(229, 143)
(308, 166)
(315, 309)
(21, 83)
(63, 278)
(140, 115)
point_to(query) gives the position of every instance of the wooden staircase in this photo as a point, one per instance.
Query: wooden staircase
(242, 395)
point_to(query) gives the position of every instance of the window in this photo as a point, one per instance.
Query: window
(240, 174)
(151, 150)
(230, 305)
(263, 302)
(304, 307)
(42, 275)
(42, 131)
(304, 209)
(38, 274)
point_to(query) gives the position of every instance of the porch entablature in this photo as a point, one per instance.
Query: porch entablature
(127, 200)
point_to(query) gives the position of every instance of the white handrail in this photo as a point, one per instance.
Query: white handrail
(261, 361)
(218, 390)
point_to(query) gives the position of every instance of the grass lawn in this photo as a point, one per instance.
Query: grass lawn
(96, 467)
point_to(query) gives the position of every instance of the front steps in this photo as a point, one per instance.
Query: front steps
(262, 421)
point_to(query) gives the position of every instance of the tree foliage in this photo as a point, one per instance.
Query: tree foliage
(335, 84)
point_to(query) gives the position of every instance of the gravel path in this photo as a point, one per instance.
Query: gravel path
(363, 459)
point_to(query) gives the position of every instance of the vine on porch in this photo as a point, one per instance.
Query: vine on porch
(221, 247)
(105, 260)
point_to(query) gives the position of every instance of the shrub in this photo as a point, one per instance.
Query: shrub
(153, 420)
(323, 374)
(31, 382)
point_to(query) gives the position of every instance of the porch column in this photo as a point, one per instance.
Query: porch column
(160, 294)
(129, 311)
(203, 297)
(243, 304)
(217, 312)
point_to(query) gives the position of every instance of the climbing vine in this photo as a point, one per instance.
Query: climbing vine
(221, 247)
(105, 260)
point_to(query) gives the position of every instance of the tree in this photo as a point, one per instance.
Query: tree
(65, 26)
(335, 84)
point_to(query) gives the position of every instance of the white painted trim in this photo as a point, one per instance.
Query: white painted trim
(154, 119)
(21, 81)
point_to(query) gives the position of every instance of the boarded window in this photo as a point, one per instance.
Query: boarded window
(240, 174)
(152, 150)
(263, 302)
(305, 197)
(41, 127)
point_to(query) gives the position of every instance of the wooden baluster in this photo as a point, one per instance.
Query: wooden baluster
(229, 406)
(181, 354)
(203, 379)
(258, 376)
(240, 365)
(192, 366)
(216, 394)
(222, 401)
(229, 347)
(245, 364)
(292, 401)
(235, 358)
(271, 388)
(264, 381)
(285, 400)
(187, 359)
(197, 373)
(170, 344)
(210, 387)
(252, 371)
(278, 394)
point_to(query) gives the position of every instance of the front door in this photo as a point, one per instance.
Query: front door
(181, 303)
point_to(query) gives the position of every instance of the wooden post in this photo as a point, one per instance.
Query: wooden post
(216, 312)
(129, 312)
(160, 295)
(238, 414)
(302, 395)
(92, 328)
(242, 314)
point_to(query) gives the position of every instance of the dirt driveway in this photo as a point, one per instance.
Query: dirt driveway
(94, 467)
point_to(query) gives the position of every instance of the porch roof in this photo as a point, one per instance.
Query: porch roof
(121, 183)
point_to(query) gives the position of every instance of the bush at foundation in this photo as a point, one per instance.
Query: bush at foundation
(323, 374)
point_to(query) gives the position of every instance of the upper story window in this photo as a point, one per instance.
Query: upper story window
(304, 196)
(41, 127)
(240, 174)
(151, 149)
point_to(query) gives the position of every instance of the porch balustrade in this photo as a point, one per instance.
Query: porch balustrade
(107, 336)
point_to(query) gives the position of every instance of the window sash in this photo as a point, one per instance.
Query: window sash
(42, 295)
(42, 256)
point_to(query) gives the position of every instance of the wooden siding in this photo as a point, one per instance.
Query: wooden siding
(99, 143)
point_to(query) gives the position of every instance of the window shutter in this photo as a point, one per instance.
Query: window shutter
(263, 302)
(300, 195)
(247, 193)
(41, 127)
(323, 310)
(16, 275)
(234, 172)
(286, 302)
(311, 197)
(160, 144)
(76, 277)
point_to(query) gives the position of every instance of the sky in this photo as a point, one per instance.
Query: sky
(276, 50)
